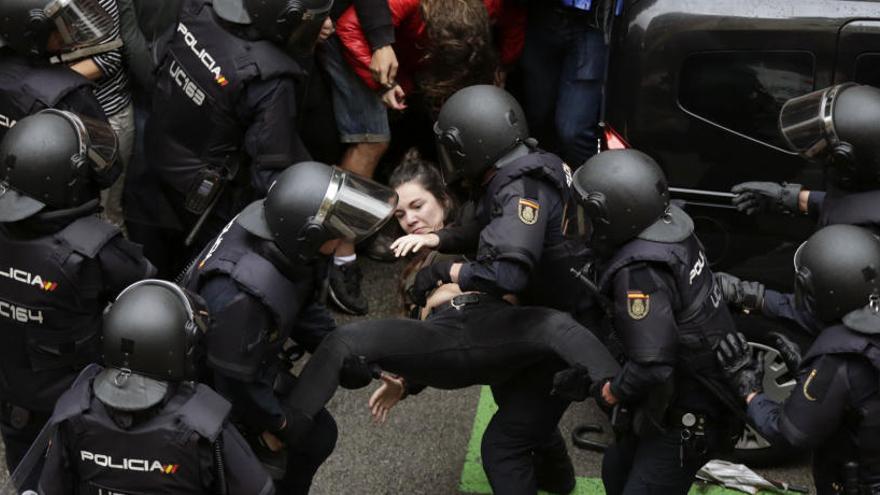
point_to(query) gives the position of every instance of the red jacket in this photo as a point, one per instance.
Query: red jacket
(409, 34)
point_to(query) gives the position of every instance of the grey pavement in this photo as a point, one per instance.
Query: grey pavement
(422, 447)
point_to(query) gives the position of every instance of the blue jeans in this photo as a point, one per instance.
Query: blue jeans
(361, 117)
(563, 64)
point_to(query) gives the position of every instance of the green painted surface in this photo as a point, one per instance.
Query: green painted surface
(473, 479)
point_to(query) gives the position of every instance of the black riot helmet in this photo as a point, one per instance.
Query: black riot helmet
(26, 25)
(837, 270)
(311, 203)
(625, 195)
(291, 24)
(839, 126)
(476, 127)
(151, 336)
(54, 160)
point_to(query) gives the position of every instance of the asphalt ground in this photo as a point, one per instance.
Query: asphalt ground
(430, 443)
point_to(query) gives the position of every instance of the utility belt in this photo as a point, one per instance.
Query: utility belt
(462, 301)
(694, 444)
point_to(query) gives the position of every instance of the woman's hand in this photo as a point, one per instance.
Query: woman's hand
(386, 396)
(413, 242)
(383, 66)
(394, 97)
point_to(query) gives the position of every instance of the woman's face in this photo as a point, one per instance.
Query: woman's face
(418, 211)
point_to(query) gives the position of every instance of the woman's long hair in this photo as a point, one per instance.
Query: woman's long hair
(415, 169)
(459, 51)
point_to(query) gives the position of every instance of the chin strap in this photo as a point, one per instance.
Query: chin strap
(86, 52)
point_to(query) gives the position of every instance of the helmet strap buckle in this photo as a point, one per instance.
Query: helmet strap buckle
(874, 303)
(121, 377)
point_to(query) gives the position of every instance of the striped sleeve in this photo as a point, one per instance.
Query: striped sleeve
(112, 89)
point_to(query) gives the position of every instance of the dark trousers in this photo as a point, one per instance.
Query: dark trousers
(653, 464)
(488, 343)
(304, 458)
(563, 65)
(522, 448)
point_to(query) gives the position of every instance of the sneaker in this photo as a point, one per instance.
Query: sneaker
(345, 288)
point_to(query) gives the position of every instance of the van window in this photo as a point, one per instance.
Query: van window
(744, 91)
(868, 69)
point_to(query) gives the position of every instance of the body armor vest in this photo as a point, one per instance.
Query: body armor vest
(701, 316)
(862, 422)
(26, 87)
(235, 254)
(200, 82)
(162, 454)
(550, 282)
(51, 305)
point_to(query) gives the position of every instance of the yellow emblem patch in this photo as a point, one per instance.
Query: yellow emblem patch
(528, 211)
(638, 304)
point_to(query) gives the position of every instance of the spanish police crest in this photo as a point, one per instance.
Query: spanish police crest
(638, 304)
(528, 211)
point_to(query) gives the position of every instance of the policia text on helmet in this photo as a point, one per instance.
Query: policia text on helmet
(840, 127)
(292, 24)
(311, 203)
(54, 162)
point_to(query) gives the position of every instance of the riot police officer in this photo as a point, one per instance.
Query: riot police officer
(141, 424)
(224, 115)
(834, 408)
(521, 235)
(28, 82)
(261, 278)
(59, 263)
(667, 311)
(838, 127)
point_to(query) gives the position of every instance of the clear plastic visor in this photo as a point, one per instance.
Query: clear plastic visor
(354, 207)
(806, 122)
(97, 141)
(81, 23)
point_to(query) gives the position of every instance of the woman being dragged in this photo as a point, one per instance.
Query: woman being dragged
(457, 339)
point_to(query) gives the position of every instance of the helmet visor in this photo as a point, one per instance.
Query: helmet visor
(97, 141)
(81, 22)
(354, 207)
(807, 123)
(302, 39)
(803, 287)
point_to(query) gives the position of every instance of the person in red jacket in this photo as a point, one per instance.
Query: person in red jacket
(441, 46)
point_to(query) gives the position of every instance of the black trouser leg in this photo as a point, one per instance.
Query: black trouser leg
(522, 429)
(304, 459)
(18, 441)
(651, 465)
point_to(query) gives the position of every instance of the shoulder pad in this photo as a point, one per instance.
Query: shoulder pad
(674, 227)
(205, 412)
(839, 339)
(51, 84)
(271, 62)
(77, 399)
(88, 235)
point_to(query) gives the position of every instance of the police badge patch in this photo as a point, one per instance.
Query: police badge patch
(528, 211)
(637, 304)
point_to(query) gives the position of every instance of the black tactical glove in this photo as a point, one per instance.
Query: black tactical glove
(743, 371)
(744, 295)
(788, 351)
(572, 384)
(428, 279)
(760, 197)
(357, 373)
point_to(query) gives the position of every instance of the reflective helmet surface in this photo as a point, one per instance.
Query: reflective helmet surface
(623, 192)
(291, 24)
(151, 335)
(310, 203)
(50, 158)
(837, 270)
(476, 127)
